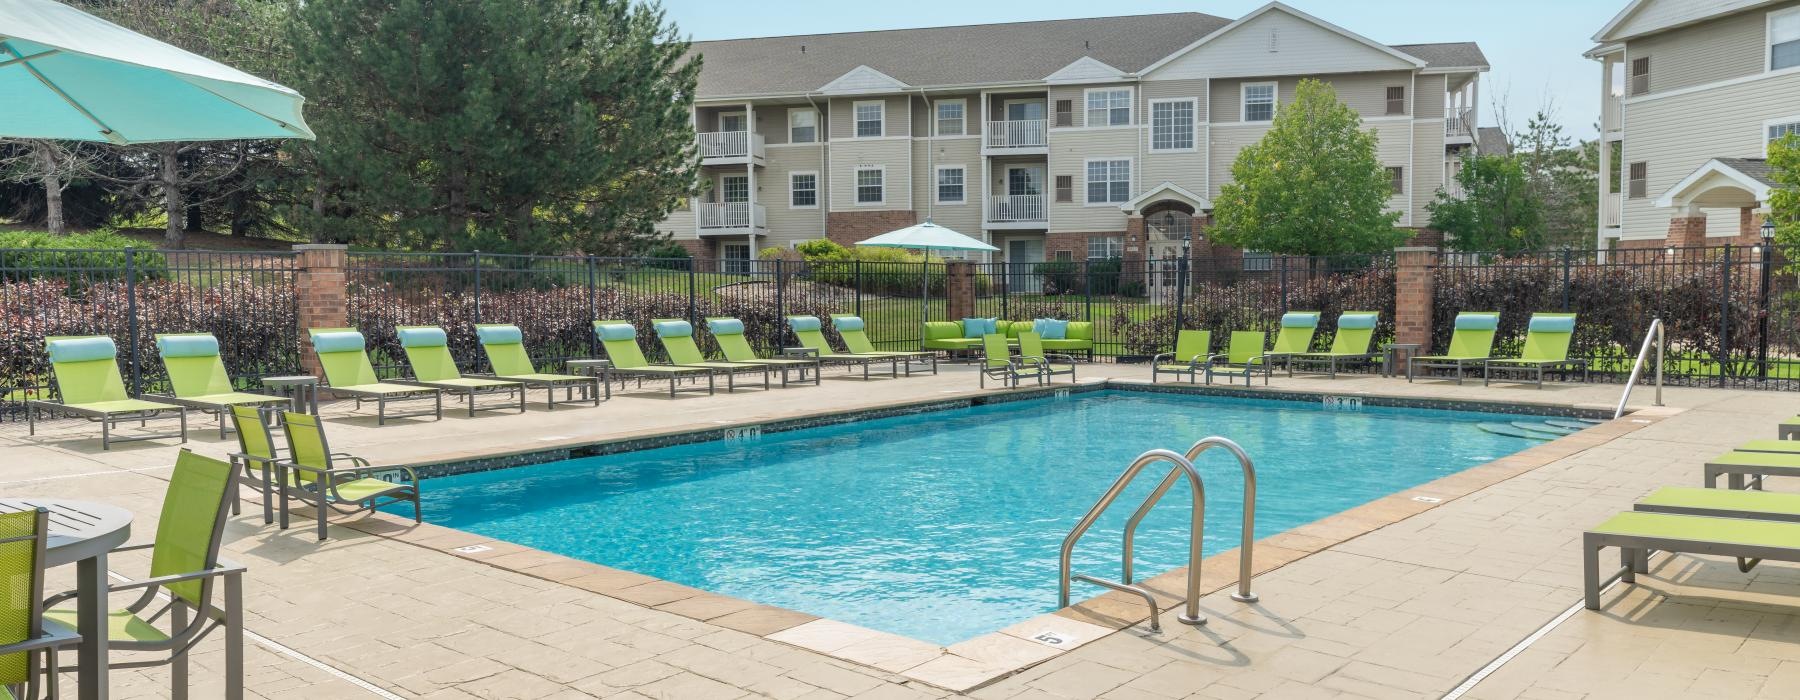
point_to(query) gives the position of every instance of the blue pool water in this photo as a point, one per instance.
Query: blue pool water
(945, 525)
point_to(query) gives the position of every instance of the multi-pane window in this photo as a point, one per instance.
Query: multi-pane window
(1105, 247)
(1109, 107)
(804, 188)
(736, 189)
(950, 187)
(1065, 188)
(870, 186)
(1784, 39)
(950, 117)
(1637, 185)
(1258, 261)
(1396, 99)
(803, 126)
(1259, 102)
(1172, 125)
(1396, 180)
(1108, 181)
(1640, 75)
(868, 119)
(1780, 130)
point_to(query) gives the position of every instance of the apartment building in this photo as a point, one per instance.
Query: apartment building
(1053, 140)
(1694, 91)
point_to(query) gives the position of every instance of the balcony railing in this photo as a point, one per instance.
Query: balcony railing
(1018, 207)
(1018, 133)
(1609, 210)
(1460, 124)
(730, 144)
(731, 215)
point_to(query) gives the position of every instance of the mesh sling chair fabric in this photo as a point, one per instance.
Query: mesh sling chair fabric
(88, 384)
(428, 354)
(1244, 356)
(856, 340)
(1547, 338)
(677, 338)
(311, 475)
(1354, 341)
(619, 339)
(507, 357)
(1031, 352)
(811, 335)
(728, 334)
(1471, 344)
(1294, 338)
(1192, 349)
(27, 641)
(345, 358)
(998, 362)
(198, 380)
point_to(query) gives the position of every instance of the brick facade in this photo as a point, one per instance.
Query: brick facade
(959, 289)
(320, 293)
(1412, 295)
(845, 228)
(1686, 231)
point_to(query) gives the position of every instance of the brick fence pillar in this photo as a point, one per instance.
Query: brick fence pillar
(1412, 295)
(1687, 229)
(321, 293)
(959, 290)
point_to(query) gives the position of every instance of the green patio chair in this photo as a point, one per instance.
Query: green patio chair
(1243, 356)
(184, 564)
(428, 354)
(1636, 534)
(1192, 349)
(1049, 364)
(998, 362)
(807, 330)
(1294, 338)
(856, 340)
(28, 642)
(311, 475)
(198, 380)
(348, 372)
(677, 338)
(1546, 347)
(619, 339)
(1748, 469)
(1354, 341)
(1471, 344)
(504, 346)
(258, 454)
(88, 384)
(728, 333)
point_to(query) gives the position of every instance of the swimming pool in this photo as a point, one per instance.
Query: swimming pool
(945, 525)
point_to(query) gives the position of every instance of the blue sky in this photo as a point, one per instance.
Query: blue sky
(1535, 46)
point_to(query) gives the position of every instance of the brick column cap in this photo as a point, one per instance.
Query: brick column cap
(1417, 249)
(320, 246)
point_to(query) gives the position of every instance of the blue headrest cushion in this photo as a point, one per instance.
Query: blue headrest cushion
(499, 335)
(616, 331)
(1553, 324)
(847, 323)
(1300, 319)
(188, 345)
(82, 349)
(803, 323)
(1477, 322)
(725, 326)
(674, 329)
(337, 341)
(422, 337)
(1357, 321)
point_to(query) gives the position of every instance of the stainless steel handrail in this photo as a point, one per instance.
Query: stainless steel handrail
(1637, 366)
(1197, 522)
(1245, 550)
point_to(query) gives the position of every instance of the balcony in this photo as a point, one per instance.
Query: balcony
(1460, 127)
(1018, 211)
(1017, 137)
(1609, 210)
(730, 148)
(732, 219)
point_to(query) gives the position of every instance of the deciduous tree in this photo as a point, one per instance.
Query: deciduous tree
(1497, 209)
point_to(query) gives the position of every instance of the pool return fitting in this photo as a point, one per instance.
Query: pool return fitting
(1182, 466)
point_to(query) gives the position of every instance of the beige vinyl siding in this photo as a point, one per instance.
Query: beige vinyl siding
(1168, 89)
(1228, 97)
(924, 113)
(679, 225)
(1364, 92)
(927, 155)
(1431, 93)
(1069, 153)
(1730, 47)
(1394, 149)
(1226, 142)
(897, 119)
(771, 123)
(1428, 167)
(1186, 170)
(1077, 95)
(773, 192)
(1367, 92)
(848, 154)
(1301, 47)
(1658, 14)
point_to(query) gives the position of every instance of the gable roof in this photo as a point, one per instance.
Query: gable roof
(1748, 176)
(1278, 7)
(1491, 140)
(1620, 27)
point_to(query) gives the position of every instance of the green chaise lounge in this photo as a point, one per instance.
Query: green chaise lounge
(198, 379)
(1471, 344)
(1722, 503)
(311, 475)
(28, 658)
(1294, 338)
(1244, 357)
(998, 362)
(348, 372)
(856, 340)
(807, 330)
(1192, 350)
(1354, 341)
(1778, 446)
(1637, 533)
(88, 384)
(428, 354)
(1743, 469)
(1032, 353)
(619, 339)
(728, 333)
(1789, 429)
(1546, 347)
(677, 338)
(504, 346)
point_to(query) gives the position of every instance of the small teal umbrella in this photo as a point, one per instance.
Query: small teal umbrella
(66, 74)
(927, 236)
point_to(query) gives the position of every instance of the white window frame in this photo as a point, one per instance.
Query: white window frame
(856, 121)
(1112, 242)
(856, 185)
(1244, 101)
(1795, 119)
(1193, 124)
(1130, 107)
(724, 191)
(1769, 40)
(1130, 175)
(815, 190)
(937, 120)
(937, 184)
(1405, 180)
(734, 113)
(797, 111)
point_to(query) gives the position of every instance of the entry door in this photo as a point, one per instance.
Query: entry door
(1025, 193)
(737, 258)
(1021, 111)
(733, 121)
(1022, 256)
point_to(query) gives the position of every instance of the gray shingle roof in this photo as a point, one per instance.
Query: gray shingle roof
(1491, 140)
(975, 54)
(1757, 168)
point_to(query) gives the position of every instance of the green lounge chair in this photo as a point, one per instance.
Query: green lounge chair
(1546, 347)
(28, 652)
(1192, 349)
(1031, 353)
(1789, 429)
(1471, 344)
(88, 385)
(316, 479)
(184, 564)
(619, 339)
(1354, 341)
(1747, 469)
(342, 353)
(1722, 503)
(1636, 534)
(1294, 338)
(504, 346)
(729, 334)
(1244, 356)
(856, 340)
(998, 362)
(677, 338)
(428, 353)
(198, 379)
(1778, 446)
(812, 340)
(258, 455)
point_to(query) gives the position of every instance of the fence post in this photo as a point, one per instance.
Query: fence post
(1567, 260)
(321, 295)
(593, 314)
(1762, 331)
(780, 301)
(693, 307)
(1724, 359)
(131, 323)
(1284, 286)
(856, 274)
(1087, 289)
(1181, 283)
(1006, 281)
(475, 262)
(1413, 295)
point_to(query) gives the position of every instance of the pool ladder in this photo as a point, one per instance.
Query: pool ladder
(1182, 466)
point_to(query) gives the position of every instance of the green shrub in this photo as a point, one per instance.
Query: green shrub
(44, 239)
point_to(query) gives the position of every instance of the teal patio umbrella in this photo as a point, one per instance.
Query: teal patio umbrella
(927, 237)
(66, 74)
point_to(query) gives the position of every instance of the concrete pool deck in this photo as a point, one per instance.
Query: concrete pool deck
(1396, 600)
